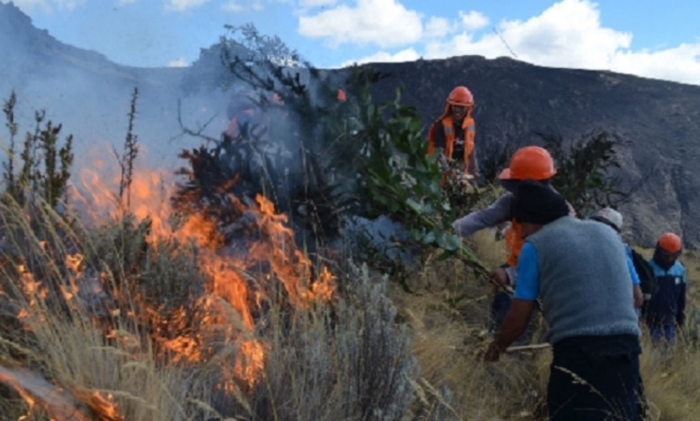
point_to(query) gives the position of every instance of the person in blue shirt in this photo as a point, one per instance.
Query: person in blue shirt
(580, 272)
(613, 219)
(666, 309)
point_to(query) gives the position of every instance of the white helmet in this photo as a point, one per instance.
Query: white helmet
(609, 216)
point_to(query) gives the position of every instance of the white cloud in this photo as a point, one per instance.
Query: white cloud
(384, 23)
(567, 34)
(237, 6)
(180, 62)
(47, 5)
(125, 2)
(316, 3)
(233, 6)
(473, 20)
(438, 27)
(680, 63)
(570, 34)
(182, 5)
(409, 54)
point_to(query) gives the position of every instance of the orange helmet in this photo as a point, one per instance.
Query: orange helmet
(461, 96)
(670, 243)
(529, 163)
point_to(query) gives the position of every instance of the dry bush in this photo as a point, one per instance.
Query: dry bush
(327, 360)
(449, 321)
(370, 354)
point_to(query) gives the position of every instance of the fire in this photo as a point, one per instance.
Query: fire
(218, 327)
(59, 404)
(291, 265)
(233, 295)
(252, 363)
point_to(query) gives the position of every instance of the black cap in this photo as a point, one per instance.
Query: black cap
(538, 203)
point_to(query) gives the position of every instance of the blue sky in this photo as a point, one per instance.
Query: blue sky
(637, 37)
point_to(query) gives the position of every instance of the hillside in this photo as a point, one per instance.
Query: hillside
(658, 119)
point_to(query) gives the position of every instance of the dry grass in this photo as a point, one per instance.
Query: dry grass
(448, 340)
(347, 361)
(449, 322)
(125, 336)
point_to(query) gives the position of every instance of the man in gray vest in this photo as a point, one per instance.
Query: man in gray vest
(579, 271)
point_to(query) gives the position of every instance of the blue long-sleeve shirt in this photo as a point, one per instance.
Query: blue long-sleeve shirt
(668, 304)
(630, 265)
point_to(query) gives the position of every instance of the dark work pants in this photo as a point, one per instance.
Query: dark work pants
(594, 378)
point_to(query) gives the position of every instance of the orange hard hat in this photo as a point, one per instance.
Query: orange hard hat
(461, 96)
(341, 95)
(529, 163)
(670, 243)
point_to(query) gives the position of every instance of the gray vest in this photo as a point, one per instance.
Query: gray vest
(584, 280)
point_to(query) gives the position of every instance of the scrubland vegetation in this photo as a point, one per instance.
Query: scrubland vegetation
(247, 298)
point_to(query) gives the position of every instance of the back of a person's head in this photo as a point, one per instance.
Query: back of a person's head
(537, 203)
(610, 217)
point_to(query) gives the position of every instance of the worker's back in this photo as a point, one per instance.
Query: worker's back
(584, 280)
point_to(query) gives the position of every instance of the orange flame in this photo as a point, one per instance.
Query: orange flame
(59, 404)
(150, 193)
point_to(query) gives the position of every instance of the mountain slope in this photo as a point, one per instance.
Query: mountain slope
(659, 120)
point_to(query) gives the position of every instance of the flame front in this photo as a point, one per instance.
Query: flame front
(216, 327)
(229, 285)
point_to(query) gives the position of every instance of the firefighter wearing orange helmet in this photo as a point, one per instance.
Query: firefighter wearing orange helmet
(665, 312)
(453, 133)
(527, 163)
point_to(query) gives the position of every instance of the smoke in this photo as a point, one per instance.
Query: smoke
(90, 95)
(177, 108)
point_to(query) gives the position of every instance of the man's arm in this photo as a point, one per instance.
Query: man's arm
(473, 166)
(440, 142)
(498, 212)
(680, 307)
(514, 324)
(637, 295)
(521, 306)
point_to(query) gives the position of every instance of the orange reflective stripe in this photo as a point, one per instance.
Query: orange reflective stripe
(448, 127)
(514, 242)
(469, 135)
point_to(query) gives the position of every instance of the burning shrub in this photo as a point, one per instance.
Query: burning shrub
(350, 360)
(325, 159)
(291, 351)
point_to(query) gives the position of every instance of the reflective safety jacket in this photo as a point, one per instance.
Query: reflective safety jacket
(448, 132)
(667, 305)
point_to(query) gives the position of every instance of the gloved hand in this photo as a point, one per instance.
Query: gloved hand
(442, 162)
(500, 278)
